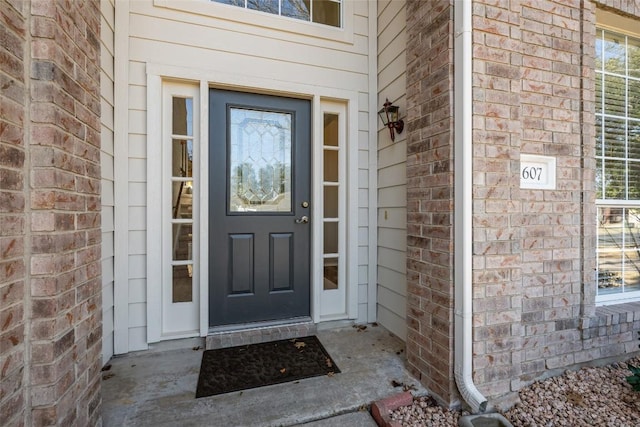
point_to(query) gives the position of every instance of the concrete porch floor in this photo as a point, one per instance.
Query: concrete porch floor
(158, 388)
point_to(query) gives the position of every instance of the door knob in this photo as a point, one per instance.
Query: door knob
(302, 220)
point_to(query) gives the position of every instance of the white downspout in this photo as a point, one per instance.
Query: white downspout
(463, 153)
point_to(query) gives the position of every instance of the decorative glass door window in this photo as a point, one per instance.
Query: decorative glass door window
(182, 199)
(327, 12)
(260, 158)
(618, 165)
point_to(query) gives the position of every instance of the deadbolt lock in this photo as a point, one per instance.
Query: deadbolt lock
(305, 204)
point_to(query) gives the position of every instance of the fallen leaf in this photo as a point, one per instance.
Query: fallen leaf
(106, 368)
(196, 348)
(374, 324)
(283, 370)
(330, 374)
(300, 344)
(396, 383)
(575, 398)
(409, 387)
(107, 376)
(329, 364)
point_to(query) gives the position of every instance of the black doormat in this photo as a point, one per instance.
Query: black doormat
(248, 366)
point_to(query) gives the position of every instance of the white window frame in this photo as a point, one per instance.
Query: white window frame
(334, 302)
(611, 22)
(168, 320)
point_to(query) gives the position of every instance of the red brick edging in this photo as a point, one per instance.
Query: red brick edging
(380, 410)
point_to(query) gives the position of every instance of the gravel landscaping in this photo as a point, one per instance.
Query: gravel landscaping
(588, 397)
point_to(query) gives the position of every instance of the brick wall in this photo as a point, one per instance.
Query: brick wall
(534, 250)
(51, 213)
(430, 195)
(534, 261)
(12, 212)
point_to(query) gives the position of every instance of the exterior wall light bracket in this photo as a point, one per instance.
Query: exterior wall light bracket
(389, 116)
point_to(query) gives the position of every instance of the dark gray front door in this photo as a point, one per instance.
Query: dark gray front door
(259, 180)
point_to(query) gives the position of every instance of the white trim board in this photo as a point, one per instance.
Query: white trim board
(121, 181)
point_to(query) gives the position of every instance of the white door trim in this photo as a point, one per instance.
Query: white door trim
(203, 80)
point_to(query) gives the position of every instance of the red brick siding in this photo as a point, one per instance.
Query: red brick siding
(534, 250)
(65, 201)
(430, 195)
(13, 92)
(50, 293)
(498, 226)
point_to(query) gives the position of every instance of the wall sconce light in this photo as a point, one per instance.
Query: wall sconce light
(389, 117)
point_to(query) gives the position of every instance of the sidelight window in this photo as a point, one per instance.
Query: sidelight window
(334, 242)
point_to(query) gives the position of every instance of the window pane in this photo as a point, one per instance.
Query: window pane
(614, 53)
(331, 130)
(634, 181)
(182, 158)
(610, 228)
(609, 272)
(182, 286)
(182, 242)
(632, 271)
(634, 57)
(614, 137)
(599, 45)
(599, 177)
(182, 200)
(614, 179)
(633, 92)
(298, 9)
(330, 165)
(630, 230)
(260, 161)
(326, 12)
(182, 116)
(331, 274)
(330, 238)
(614, 95)
(331, 202)
(633, 136)
(598, 93)
(269, 6)
(599, 140)
(231, 2)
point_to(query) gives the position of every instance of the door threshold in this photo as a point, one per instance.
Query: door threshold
(253, 333)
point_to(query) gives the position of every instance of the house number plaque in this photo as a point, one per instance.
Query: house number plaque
(537, 172)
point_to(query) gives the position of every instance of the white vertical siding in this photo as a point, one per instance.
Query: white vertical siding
(106, 161)
(392, 202)
(207, 39)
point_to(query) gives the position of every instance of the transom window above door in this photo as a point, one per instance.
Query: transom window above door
(327, 12)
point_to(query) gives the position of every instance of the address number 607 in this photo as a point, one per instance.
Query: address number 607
(531, 173)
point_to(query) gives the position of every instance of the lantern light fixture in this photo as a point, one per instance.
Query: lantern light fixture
(389, 116)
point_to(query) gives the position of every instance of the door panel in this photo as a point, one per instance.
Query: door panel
(259, 178)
